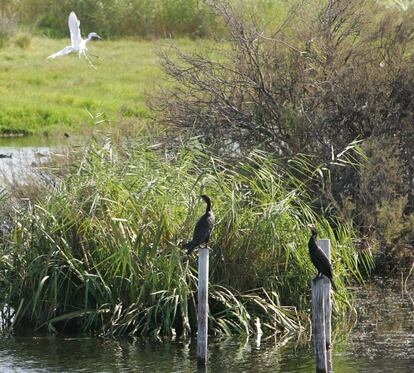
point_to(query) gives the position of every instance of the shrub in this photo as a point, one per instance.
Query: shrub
(330, 73)
(383, 193)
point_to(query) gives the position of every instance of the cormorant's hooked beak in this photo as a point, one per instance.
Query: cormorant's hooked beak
(313, 228)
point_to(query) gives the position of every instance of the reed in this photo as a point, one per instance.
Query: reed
(139, 18)
(101, 252)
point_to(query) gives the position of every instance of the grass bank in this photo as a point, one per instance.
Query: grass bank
(101, 252)
(66, 94)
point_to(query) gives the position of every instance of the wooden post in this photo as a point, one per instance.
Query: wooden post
(325, 245)
(203, 258)
(322, 314)
(318, 325)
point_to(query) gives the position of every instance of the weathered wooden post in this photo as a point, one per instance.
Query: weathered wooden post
(318, 325)
(203, 258)
(321, 317)
(325, 245)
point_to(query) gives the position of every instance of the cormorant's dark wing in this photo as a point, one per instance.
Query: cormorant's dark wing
(202, 231)
(321, 262)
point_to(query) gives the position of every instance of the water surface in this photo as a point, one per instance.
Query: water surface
(26, 155)
(382, 341)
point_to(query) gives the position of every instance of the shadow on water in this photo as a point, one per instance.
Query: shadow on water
(383, 341)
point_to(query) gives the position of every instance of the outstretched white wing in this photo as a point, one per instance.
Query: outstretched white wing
(64, 51)
(75, 34)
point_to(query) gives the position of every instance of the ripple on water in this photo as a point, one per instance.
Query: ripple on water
(385, 322)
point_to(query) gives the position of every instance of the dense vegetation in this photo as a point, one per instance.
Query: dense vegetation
(333, 72)
(302, 118)
(128, 18)
(102, 251)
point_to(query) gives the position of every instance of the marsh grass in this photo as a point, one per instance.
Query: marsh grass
(101, 252)
(7, 28)
(23, 40)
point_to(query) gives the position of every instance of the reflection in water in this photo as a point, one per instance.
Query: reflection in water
(29, 141)
(22, 162)
(27, 154)
(93, 355)
(50, 354)
(385, 322)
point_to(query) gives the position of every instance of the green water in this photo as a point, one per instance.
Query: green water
(382, 341)
(33, 141)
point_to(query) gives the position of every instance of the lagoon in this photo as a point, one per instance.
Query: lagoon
(381, 341)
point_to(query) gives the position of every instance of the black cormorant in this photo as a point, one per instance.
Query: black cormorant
(318, 257)
(203, 228)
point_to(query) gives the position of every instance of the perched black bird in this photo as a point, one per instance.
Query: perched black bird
(203, 228)
(318, 257)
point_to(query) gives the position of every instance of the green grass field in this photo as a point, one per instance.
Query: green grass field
(66, 94)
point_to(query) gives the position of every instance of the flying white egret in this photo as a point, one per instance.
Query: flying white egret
(78, 44)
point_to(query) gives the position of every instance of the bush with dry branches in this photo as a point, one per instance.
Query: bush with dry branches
(329, 73)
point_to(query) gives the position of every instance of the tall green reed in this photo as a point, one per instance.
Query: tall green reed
(142, 18)
(101, 252)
